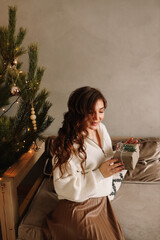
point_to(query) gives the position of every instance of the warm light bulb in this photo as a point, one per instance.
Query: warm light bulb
(15, 61)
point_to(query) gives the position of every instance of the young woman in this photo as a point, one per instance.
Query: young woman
(85, 175)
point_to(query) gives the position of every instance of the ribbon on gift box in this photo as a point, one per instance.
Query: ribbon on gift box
(123, 148)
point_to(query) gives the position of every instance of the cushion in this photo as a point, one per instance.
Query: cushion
(148, 166)
(149, 149)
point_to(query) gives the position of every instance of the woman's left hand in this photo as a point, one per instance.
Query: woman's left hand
(131, 141)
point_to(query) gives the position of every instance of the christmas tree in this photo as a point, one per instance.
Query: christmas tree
(19, 132)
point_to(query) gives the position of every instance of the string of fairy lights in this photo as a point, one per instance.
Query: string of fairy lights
(16, 91)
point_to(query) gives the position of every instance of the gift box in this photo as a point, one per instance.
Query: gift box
(128, 154)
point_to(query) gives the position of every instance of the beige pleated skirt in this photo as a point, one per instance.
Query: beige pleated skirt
(92, 219)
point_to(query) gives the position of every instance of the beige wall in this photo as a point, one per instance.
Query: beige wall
(113, 45)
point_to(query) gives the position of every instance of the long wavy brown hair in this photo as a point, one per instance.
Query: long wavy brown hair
(73, 130)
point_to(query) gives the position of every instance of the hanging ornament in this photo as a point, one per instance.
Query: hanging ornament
(33, 118)
(15, 90)
(15, 74)
(14, 63)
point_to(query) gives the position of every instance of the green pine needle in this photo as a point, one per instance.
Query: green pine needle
(128, 148)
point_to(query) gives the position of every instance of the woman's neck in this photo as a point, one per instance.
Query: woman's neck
(93, 134)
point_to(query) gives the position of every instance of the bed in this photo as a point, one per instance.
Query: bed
(136, 204)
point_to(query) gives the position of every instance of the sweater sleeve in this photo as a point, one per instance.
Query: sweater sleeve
(116, 183)
(74, 185)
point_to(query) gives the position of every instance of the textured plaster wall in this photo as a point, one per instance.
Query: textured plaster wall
(113, 45)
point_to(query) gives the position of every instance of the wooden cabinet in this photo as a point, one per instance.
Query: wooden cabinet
(10, 210)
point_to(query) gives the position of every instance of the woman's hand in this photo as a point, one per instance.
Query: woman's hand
(131, 141)
(111, 167)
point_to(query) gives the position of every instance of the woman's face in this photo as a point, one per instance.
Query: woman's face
(95, 115)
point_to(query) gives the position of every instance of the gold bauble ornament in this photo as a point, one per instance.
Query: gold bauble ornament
(15, 90)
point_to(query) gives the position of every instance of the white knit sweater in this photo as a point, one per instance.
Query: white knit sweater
(77, 187)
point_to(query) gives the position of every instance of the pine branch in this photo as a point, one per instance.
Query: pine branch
(46, 123)
(43, 113)
(129, 148)
(20, 52)
(33, 59)
(3, 43)
(4, 95)
(11, 31)
(40, 99)
(40, 73)
(20, 37)
(6, 128)
(21, 118)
